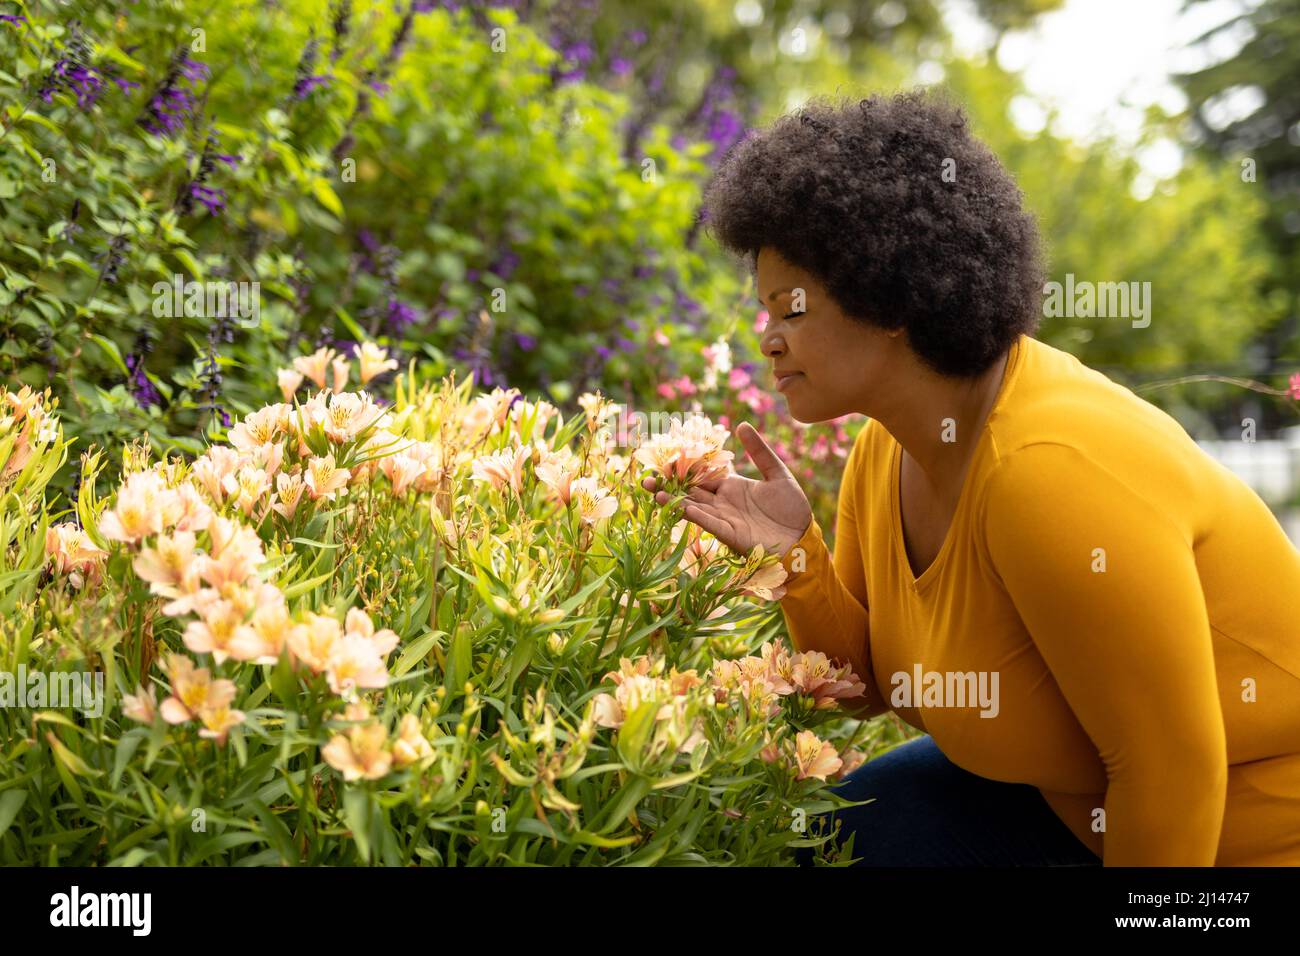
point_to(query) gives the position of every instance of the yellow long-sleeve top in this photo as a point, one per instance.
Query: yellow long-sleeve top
(1138, 602)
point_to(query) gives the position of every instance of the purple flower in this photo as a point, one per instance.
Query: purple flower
(306, 80)
(72, 71)
(581, 291)
(137, 383)
(525, 341)
(172, 103)
(399, 315)
(620, 66)
(724, 128)
(12, 18)
(505, 264)
(214, 199)
(198, 190)
(604, 351)
(580, 52)
(636, 37)
(471, 275)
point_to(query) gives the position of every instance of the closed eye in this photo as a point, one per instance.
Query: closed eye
(791, 315)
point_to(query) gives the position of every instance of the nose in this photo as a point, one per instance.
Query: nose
(772, 344)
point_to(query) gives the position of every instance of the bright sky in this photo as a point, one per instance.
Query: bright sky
(1100, 63)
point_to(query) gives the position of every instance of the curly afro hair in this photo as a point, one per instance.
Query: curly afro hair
(906, 219)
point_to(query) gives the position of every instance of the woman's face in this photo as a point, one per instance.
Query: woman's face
(842, 366)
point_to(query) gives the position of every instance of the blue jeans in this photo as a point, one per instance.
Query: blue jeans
(927, 811)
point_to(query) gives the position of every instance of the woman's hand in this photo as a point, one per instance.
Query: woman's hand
(741, 512)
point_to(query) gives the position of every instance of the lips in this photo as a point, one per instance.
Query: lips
(784, 379)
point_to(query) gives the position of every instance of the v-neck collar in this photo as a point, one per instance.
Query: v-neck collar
(918, 583)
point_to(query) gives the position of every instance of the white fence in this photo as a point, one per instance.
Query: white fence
(1271, 467)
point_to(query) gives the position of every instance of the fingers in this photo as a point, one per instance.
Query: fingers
(708, 521)
(760, 453)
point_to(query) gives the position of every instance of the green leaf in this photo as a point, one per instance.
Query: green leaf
(11, 801)
(326, 196)
(356, 812)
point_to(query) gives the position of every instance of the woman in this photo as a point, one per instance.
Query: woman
(1094, 624)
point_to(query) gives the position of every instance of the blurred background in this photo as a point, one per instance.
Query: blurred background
(510, 190)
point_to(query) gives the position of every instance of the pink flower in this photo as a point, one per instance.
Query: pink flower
(1294, 384)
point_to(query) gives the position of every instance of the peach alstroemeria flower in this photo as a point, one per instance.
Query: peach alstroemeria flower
(314, 366)
(411, 746)
(141, 503)
(815, 757)
(263, 638)
(596, 407)
(193, 691)
(288, 492)
(702, 548)
(235, 555)
(74, 554)
(355, 662)
(169, 564)
(323, 479)
(813, 674)
(780, 667)
(357, 623)
(141, 706)
(349, 414)
(557, 470)
(340, 367)
(247, 487)
(502, 468)
(767, 582)
(401, 471)
(218, 721)
(360, 753)
(220, 622)
(211, 468)
(691, 451)
(192, 512)
(289, 379)
(592, 501)
(261, 427)
(374, 361)
(312, 642)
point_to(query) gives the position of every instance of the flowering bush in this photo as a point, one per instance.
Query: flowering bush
(383, 172)
(449, 629)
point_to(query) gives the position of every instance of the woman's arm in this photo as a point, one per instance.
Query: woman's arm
(825, 603)
(1108, 588)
